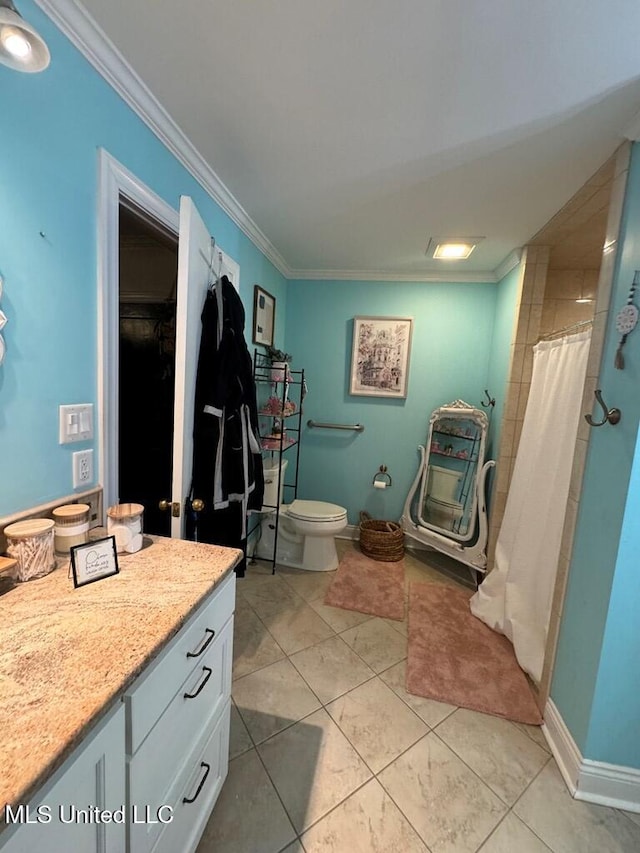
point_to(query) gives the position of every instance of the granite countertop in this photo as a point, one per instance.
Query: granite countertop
(67, 655)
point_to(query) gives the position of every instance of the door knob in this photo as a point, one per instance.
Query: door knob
(197, 505)
(164, 505)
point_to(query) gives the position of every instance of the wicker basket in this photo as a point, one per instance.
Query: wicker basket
(381, 540)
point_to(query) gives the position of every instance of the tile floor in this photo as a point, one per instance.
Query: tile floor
(329, 754)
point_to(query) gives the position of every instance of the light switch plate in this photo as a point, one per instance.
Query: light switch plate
(76, 423)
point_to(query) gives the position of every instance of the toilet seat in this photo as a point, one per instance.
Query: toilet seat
(317, 511)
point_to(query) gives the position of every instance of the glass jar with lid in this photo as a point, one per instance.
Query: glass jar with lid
(71, 526)
(30, 543)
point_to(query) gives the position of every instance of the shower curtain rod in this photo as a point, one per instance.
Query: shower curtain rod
(575, 327)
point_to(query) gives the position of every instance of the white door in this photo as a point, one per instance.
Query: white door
(198, 265)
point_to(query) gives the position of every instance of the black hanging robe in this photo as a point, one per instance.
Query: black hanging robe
(227, 460)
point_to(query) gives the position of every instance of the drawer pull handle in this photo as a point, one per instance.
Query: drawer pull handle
(202, 781)
(207, 675)
(205, 644)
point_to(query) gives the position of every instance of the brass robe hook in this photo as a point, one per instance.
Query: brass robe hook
(611, 415)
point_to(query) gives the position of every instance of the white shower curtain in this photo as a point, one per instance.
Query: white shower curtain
(515, 598)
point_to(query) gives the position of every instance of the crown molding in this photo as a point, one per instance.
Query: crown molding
(390, 276)
(510, 262)
(83, 32)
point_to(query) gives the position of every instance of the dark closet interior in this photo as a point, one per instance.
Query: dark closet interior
(147, 321)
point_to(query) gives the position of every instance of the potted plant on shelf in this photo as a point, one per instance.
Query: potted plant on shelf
(279, 364)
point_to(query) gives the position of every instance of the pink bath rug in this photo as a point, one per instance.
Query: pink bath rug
(455, 658)
(368, 586)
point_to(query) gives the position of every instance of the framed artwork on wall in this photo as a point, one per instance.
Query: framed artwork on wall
(264, 316)
(380, 356)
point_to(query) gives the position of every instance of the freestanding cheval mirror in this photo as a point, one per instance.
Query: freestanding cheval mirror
(446, 508)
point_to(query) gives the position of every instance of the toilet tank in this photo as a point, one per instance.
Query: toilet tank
(442, 483)
(270, 468)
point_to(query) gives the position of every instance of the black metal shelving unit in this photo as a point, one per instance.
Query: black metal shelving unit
(276, 390)
(468, 467)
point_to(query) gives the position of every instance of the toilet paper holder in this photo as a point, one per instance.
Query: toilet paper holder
(382, 479)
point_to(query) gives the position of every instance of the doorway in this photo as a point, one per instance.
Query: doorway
(148, 269)
(197, 267)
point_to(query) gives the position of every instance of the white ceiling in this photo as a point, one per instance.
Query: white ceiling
(351, 132)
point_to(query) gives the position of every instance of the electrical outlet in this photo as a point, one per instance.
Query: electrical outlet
(82, 468)
(95, 508)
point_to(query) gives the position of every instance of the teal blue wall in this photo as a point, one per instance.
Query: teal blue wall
(450, 353)
(507, 292)
(597, 565)
(52, 126)
(615, 716)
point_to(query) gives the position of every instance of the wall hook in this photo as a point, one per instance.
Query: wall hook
(491, 400)
(611, 415)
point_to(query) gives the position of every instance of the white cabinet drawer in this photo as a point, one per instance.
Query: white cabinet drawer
(154, 770)
(199, 788)
(147, 699)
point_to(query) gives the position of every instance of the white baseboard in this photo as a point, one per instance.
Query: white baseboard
(351, 531)
(591, 781)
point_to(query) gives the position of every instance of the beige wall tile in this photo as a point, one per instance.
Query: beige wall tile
(540, 283)
(522, 402)
(547, 321)
(590, 286)
(577, 471)
(522, 324)
(535, 321)
(498, 506)
(516, 437)
(517, 359)
(568, 531)
(527, 368)
(511, 403)
(597, 343)
(506, 437)
(569, 312)
(502, 476)
(564, 284)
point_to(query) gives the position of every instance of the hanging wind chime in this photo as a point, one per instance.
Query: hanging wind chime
(626, 321)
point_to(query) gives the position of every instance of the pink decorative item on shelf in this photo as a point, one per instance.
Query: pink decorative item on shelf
(273, 406)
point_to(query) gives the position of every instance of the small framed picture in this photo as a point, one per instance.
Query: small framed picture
(380, 356)
(93, 561)
(264, 316)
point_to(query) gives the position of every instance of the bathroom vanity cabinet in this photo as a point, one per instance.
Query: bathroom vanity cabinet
(278, 389)
(143, 771)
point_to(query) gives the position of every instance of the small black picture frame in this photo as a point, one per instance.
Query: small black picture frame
(93, 561)
(264, 316)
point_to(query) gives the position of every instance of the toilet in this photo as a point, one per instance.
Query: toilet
(441, 508)
(306, 535)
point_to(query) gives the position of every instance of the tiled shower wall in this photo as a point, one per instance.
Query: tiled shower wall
(602, 307)
(560, 308)
(533, 317)
(527, 331)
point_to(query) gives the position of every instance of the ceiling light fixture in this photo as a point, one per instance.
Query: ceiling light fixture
(21, 47)
(452, 248)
